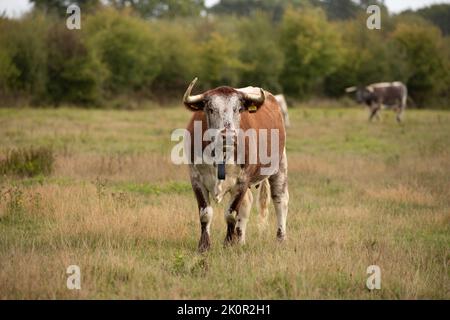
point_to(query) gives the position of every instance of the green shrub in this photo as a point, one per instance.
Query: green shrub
(28, 162)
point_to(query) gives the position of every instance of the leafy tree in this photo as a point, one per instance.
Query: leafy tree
(439, 14)
(74, 74)
(312, 50)
(339, 9)
(162, 8)
(127, 47)
(335, 9)
(24, 55)
(59, 7)
(248, 7)
(422, 48)
(262, 56)
(301, 47)
(219, 61)
(180, 55)
(8, 71)
(369, 56)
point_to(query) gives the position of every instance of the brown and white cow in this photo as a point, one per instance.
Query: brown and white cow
(377, 95)
(229, 110)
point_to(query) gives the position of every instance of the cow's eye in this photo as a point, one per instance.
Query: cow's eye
(210, 110)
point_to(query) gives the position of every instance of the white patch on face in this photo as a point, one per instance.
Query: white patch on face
(223, 109)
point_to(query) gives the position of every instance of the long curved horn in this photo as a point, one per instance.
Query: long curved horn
(256, 99)
(188, 100)
(350, 89)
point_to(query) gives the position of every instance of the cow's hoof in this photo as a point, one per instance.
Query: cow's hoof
(228, 242)
(240, 236)
(203, 248)
(231, 237)
(205, 243)
(281, 236)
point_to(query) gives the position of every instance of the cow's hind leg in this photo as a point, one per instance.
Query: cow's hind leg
(374, 110)
(280, 196)
(399, 114)
(243, 215)
(263, 201)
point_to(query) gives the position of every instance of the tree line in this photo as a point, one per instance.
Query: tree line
(139, 50)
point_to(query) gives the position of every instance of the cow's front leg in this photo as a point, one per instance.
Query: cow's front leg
(280, 196)
(205, 222)
(237, 214)
(374, 109)
(205, 213)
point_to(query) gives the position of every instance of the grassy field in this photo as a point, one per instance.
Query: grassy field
(361, 194)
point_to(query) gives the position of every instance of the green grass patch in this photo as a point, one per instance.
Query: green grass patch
(28, 162)
(175, 187)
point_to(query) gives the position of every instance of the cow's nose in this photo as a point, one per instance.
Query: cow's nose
(227, 125)
(228, 136)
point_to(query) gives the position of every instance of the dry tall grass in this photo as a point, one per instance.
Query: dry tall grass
(361, 194)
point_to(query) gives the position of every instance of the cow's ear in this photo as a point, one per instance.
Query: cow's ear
(252, 102)
(198, 106)
(251, 106)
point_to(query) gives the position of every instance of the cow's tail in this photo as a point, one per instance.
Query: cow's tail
(263, 197)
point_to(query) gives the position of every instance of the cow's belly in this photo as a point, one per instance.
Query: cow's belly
(391, 102)
(207, 175)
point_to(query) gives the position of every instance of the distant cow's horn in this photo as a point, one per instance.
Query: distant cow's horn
(189, 100)
(256, 99)
(350, 89)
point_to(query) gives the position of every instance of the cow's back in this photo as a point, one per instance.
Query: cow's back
(389, 93)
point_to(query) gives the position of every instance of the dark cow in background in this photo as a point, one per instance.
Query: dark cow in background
(377, 95)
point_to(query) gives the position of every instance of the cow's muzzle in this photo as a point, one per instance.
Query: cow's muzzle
(228, 136)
